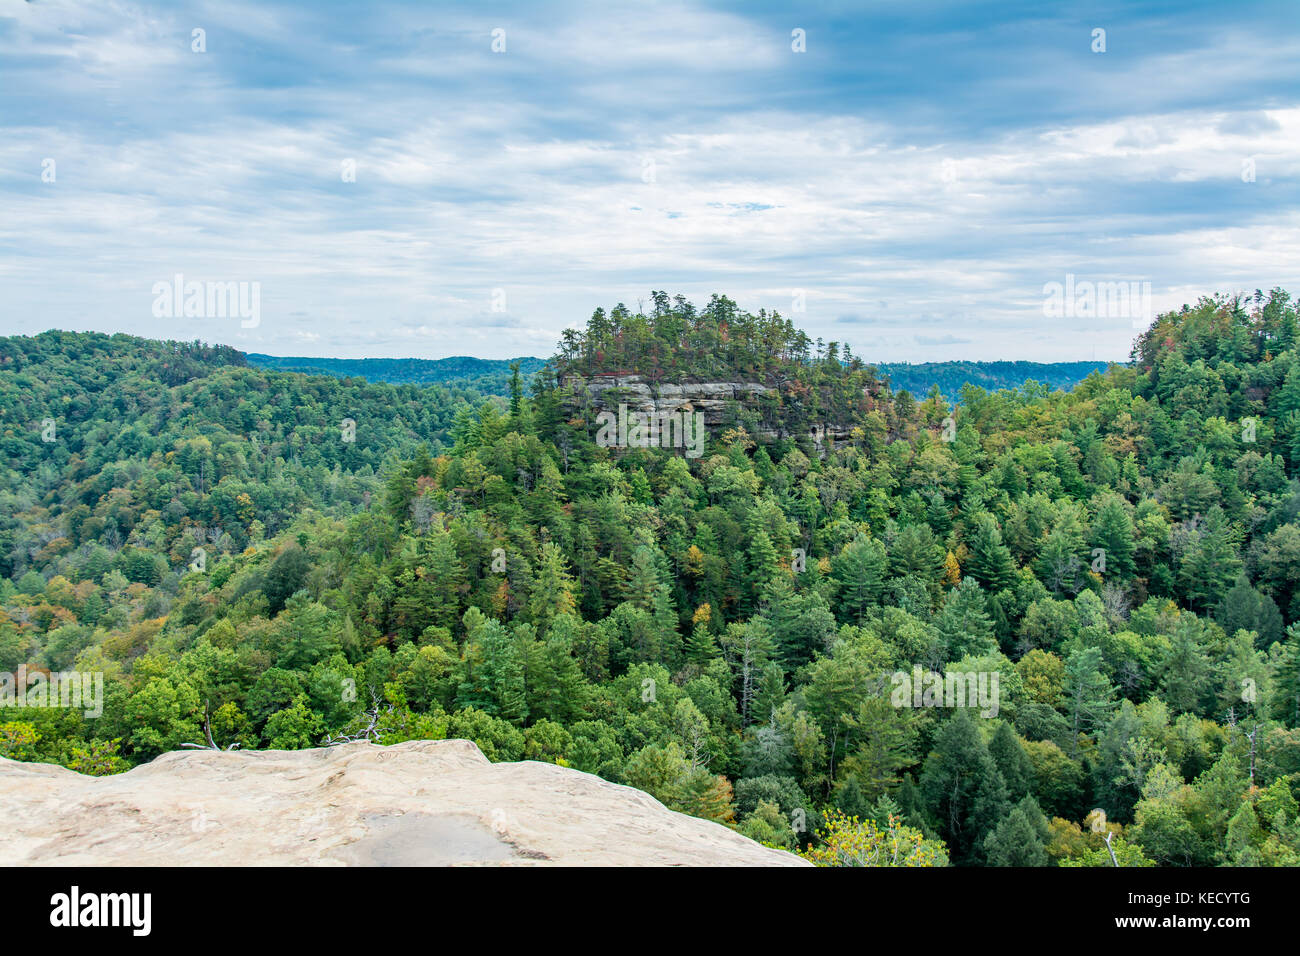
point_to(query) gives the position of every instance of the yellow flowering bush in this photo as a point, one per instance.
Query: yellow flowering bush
(848, 841)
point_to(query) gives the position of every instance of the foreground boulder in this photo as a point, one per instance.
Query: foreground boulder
(420, 803)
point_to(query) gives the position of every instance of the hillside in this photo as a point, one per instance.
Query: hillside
(422, 803)
(489, 376)
(126, 427)
(950, 377)
(492, 377)
(726, 626)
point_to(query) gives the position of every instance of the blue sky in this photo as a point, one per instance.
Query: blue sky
(919, 172)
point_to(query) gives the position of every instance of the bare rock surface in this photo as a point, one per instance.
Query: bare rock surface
(419, 803)
(604, 393)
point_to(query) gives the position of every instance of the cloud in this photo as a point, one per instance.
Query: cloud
(904, 173)
(941, 340)
(1249, 124)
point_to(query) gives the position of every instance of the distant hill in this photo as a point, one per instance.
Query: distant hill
(991, 376)
(491, 376)
(122, 411)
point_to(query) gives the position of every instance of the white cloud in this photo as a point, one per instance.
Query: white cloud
(458, 195)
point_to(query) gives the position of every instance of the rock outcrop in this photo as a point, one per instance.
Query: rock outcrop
(607, 392)
(604, 393)
(420, 803)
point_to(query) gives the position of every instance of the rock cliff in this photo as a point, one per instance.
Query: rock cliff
(420, 803)
(606, 392)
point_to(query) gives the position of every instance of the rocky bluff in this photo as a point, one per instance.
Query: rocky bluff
(756, 407)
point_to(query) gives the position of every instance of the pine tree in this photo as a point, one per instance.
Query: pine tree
(646, 588)
(1014, 842)
(1244, 608)
(990, 561)
(883, 738)
(1211, 564)
(850, 800)
(1244, 837)
(963, 791)
(761, 566)
(1185, 671)
(556, 687)
(520, 420)
(492, 671)
(771, 690)
(1058, 565)
(917, 553)
(700, 646)
(1287, 681)
(963, 623)
(1113, 533)
(859, 572)
(938, 514)
(1012, 761)
(551, 593)
(445, 577)
(801, 623)
(1089, 695)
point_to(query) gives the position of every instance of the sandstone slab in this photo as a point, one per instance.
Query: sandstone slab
(419, 803)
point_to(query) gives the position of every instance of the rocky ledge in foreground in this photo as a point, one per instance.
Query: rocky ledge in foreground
(419, 803)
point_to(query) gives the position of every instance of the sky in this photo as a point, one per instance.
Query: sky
(415, 179)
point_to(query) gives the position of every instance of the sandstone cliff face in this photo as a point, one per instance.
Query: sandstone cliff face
(607, 392)
(420, 803)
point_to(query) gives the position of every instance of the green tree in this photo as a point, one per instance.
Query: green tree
(963, 791)
(1089, 695)
(1014, 842)
(293, 728)
(1012, 761)
(990, 562)
(963, 623)
(859, 571)
(1113, 532)
(287, 575)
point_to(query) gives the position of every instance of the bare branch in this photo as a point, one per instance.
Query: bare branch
(369, 732)
(207, 732)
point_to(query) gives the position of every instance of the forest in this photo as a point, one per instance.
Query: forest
(492, 377)
(951, 376)
(489, 376)
(274, 559)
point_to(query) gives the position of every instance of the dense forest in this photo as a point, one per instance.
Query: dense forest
(921, 377)
(1120, 562)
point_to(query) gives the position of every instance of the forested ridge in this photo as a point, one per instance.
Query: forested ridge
(722, 632)
(920, 377)
(490, 376)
